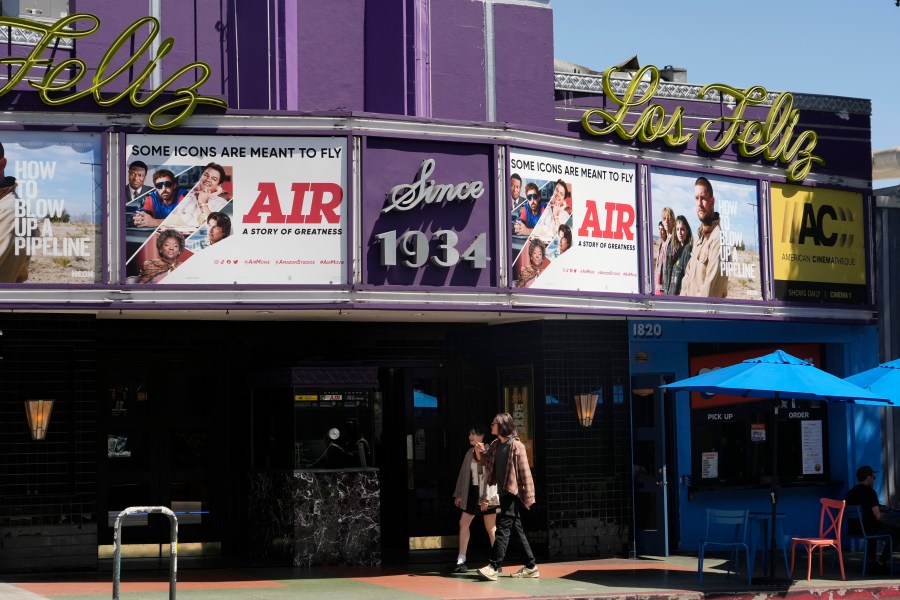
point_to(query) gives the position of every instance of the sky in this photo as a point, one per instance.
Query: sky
(822, 47)
(56, 172)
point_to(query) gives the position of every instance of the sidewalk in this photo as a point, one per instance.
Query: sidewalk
(671, 578)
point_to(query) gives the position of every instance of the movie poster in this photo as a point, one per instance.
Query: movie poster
(818, 245)
(573, 223)
(705, 235)
(235, 210)
(50, 208)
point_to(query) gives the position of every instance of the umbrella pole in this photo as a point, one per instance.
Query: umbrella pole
(771, 580)
(773, 494)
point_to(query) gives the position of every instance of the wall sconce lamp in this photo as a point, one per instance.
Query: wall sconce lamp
(585, 405)
(38, 414)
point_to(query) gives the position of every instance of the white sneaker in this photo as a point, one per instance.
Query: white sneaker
(526, 572)
(488, 573)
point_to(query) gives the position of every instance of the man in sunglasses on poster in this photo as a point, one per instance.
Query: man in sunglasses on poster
(160, 202)
(530, 213)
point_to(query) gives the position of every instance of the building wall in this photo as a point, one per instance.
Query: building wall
(48, 488)
(523, 64)
(887, 276)
(330, 55)
(588, 470)
(457, 60)
(854, 435)
(349, 56)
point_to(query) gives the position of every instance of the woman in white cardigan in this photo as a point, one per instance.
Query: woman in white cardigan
(470, 486)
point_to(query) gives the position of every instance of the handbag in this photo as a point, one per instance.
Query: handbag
(491, 496)
(488, 492)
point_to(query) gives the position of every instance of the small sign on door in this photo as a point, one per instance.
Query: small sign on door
(757, 432)
(709, 465)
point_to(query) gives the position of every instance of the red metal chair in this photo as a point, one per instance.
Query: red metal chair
(829, 536)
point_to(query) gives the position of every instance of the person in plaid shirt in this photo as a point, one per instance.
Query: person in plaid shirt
(506, 464)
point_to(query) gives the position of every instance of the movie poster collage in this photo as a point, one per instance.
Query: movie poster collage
(705, 233)
(573, 223)
(172, 214)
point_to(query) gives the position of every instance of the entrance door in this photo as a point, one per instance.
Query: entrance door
(165, 448)
(648, 404)
(427, 485)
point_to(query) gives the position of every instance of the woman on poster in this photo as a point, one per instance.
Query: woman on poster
(537, 252)
(666, 238)
(679, 255)
(169, 245)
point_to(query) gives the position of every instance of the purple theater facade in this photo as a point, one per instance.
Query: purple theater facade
(290, 356)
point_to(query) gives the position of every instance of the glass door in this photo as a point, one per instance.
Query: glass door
(650, 471)
(426, 453)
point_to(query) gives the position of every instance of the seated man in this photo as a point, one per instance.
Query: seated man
(160, 203)
(864, 496)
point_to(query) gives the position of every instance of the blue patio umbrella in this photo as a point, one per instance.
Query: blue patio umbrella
(883, 380)
(777, 375)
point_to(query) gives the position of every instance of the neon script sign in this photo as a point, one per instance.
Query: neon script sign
(770, 138)
(55, 93)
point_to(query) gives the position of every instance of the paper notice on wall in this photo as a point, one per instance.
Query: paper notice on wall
(811, 447)
(757, 432)
(709, 465)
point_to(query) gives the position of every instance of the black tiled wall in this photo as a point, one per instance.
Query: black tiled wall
(587, 470)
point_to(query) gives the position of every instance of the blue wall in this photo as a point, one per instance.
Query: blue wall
(854, 432)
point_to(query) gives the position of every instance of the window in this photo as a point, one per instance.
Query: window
(38, 10)
(42, 11)
(733, 445)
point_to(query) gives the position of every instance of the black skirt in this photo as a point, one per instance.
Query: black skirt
(472, 506)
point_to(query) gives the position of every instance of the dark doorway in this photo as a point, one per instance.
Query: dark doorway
(651, 450)
(417, 509)
(163, 447)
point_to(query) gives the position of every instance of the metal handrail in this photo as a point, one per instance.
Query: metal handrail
(117, 546)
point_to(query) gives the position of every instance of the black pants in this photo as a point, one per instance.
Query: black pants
(507, 520)
(882, 529)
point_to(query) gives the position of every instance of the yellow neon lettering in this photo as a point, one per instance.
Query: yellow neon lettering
(48, 34)
(186, 98)
(769, 138)
(752, 95)
(650, 125)
(779, 123)
(749, 136)
(799, 169)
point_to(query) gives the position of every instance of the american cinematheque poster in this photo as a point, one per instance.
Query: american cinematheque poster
(235, 210)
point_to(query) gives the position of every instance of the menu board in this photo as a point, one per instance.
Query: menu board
(811, 445)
